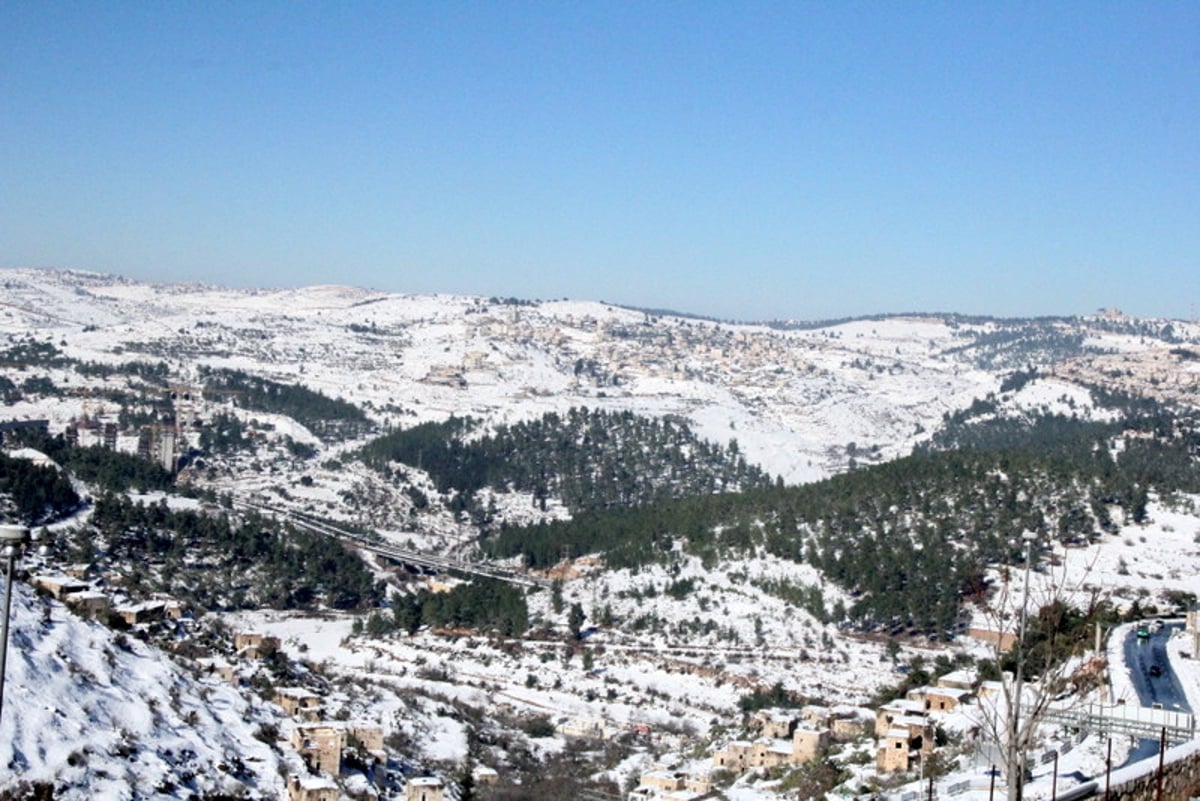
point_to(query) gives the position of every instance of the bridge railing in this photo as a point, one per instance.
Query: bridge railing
(1138, 721)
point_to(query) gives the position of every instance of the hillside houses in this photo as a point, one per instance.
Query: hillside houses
(91, 604)
(615, 349)
(85, 600)
(905, 735)
(940, 699)
(59, 586)
(905, 727)
(587, 727)
(903, 730)
(321, 746)
(784, 740)
(150, 611)
(1162, 373)
(664, 783)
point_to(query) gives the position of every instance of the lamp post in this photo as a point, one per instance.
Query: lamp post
(12, 540)
(1016, 759)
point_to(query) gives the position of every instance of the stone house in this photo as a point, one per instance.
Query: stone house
(59, 587)
(320, 744)
(815, 717)
(145, 612)
(939, 699)
(424, 788)
(663, 781)
(735, 756)
(89, 603)
(217, 667)
(777, 724)
(849, 723)
(958, 680)
(485, 775)
(590, 728)
(172, 608)
(890, 712)
(807, 744)
(312, 788)
(1004, 640)
(300, 703)
(909, 739)
(254, 645)
(769, 753)
(367, 737)
(844, 722)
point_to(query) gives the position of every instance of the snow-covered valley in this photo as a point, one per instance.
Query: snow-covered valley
(668, 652)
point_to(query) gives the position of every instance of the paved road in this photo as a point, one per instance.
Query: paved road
(1140, 655)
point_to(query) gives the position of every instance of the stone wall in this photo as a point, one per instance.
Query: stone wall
(1139, 782)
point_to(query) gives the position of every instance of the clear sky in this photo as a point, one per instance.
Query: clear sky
(744, 160)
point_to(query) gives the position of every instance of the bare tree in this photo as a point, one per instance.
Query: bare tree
(1034, 618)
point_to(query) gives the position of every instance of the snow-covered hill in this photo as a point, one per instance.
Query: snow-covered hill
(800, 402)
(99, 714)
(103, 713)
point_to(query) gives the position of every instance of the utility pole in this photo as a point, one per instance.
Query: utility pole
(1162, 755)
(1015, 757)
(12, 541)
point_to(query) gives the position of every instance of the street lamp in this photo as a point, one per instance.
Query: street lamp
(12, 541)
(1016, 759)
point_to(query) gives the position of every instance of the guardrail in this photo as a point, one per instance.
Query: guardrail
(1137, 721)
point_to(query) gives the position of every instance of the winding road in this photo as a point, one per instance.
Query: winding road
(1142, 655)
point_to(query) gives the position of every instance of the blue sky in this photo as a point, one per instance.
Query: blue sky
(742, 160)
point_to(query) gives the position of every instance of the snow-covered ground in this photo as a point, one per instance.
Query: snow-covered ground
(90, 707)
(793, 399)
(102, 715)
(690, 687)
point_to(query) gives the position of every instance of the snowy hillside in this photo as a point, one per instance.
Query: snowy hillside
(794, 399)
(106, 716)
(654, 657)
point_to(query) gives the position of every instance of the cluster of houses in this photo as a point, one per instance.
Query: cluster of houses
(903, 729)
(1161, 373)
(905, 726)
(621, 346)
(321, 743)
(81, 596)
